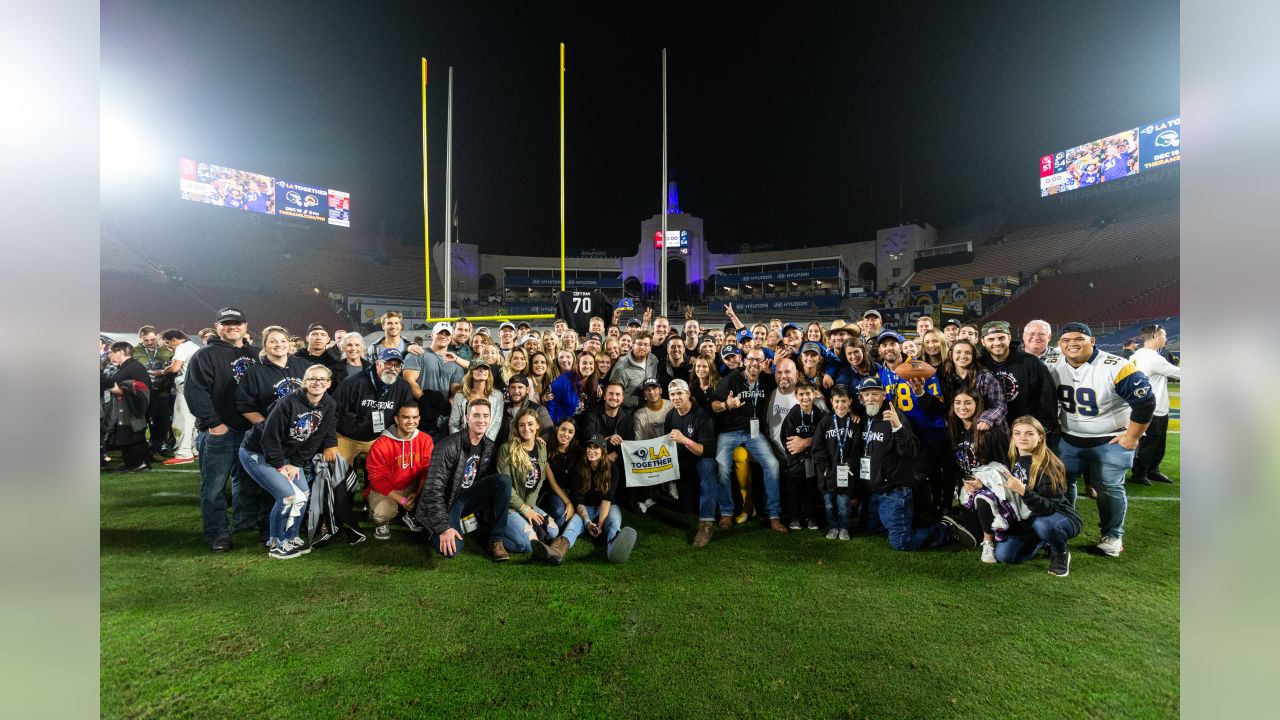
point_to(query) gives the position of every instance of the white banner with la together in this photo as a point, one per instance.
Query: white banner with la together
(650, 462)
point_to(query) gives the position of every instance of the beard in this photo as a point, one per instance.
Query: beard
(873, 410)
(388, 378)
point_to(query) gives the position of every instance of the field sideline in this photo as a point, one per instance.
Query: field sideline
(754, 625)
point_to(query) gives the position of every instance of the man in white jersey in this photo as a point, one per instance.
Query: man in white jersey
(1105, 403)
(1146, 463)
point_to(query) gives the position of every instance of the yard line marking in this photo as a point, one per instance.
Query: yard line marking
(174, 494)
(1156, 499)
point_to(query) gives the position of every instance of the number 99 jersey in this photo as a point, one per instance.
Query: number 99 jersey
(1099, 398)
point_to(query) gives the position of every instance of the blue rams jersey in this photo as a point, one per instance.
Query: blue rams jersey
(900, 393)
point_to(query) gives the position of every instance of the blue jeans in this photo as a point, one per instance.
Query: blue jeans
(612, 523)
(1107, 464)
(892, 512)
(278, 485)
(713, 489)
(516, 537)
(218, 460)
(488, 498)
(837, 510)
(762, 453)
(1052, 530)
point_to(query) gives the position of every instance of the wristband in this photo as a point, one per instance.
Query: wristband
(402, 500)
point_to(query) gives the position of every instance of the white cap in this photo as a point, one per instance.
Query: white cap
(442, 327)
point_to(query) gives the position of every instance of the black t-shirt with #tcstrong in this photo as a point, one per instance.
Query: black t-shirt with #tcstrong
(752, 394)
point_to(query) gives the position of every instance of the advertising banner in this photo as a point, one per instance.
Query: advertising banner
(777, 276)
(650, 462)
(1160, 143)
(527, 281)
(302, 201)
(791, 303)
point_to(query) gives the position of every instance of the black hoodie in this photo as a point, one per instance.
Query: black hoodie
(295, 430)
(360, 396)
(1029, 389)
(212, 376)
(892, 453)
(266, 382)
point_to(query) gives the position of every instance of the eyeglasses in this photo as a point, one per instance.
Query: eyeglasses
(316, 380)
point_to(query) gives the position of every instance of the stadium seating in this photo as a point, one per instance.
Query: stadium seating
(1133, 292)
(130, 301)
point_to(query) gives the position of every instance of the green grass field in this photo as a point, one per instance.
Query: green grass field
(754, 625)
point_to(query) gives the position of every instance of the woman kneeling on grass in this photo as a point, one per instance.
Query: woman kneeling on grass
(277, 453)
(592, 494)
(1041, 479)
(524, 459)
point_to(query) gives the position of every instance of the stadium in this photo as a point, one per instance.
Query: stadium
(308, 217)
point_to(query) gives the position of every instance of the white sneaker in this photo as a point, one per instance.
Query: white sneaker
(381, 532)
(298, 544)
(675, 493)
(644, 505)
(795, 525)
(988, 552)
(844, 534)
(1110, 546)
(833, 534)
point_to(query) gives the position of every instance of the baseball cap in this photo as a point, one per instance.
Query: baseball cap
(790, 326)
(888, 335)
(518, 379)
(811, 347)
(950, 321)
(634, 322)
(442, 327)
(477, 364)
(524, 339)
(1075, 327)
(744, 334)
(595, 336)
(995, 326)
(677, 385)
(316, 326)
(524, 325)
(728, 350)
(872, 313)
(597, 440)
(507, 324)
(650, 382)
(870, 383)
(391, 354)
(1135, 340)
(229, 315)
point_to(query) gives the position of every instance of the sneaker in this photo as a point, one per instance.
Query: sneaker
(644, 505)
(795, 525)
(958, 533)
(675, 493)
(988, 552)
(284, 552)
(355, 537)
(179, 460)
(410, 523)
(221, 545)
(703, 536)
(1110, 546)
(1060, 565)
(140, 467)
(741, 518)
(811, 525)
(833, 534)
(498, 552)
(326, 538)
(1159, 477)
(844, 535)
(1139, 479)
(381, 532)
(298, 544)
(620, 547)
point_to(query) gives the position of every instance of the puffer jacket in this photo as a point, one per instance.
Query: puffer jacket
(445, 478)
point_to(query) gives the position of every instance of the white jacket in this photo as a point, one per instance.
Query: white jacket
(992, 478)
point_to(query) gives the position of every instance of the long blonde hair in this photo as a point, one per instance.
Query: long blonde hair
(469, 384)
(517, 456)
(508, 371)
(266, 333)
(1043, 463)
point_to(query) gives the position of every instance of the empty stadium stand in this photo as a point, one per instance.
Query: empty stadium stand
(1133, 292)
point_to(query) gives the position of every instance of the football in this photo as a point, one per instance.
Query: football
(915, 370)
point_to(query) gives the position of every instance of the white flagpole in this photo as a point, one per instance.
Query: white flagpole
(662, 283)
(448, 206)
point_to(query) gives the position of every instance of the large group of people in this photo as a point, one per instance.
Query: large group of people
(515, 435)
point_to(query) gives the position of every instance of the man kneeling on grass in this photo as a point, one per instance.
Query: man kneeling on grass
(462, 487)
(884, 451)
(397, 467)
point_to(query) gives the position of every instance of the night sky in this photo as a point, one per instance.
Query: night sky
(791, 128)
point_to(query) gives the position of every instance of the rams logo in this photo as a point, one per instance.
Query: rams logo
(652, 453)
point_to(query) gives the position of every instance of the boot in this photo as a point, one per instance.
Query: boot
(558, 549)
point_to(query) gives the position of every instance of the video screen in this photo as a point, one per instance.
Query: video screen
(228, 187)
(1117, 156)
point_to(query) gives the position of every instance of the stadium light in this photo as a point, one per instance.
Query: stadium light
(126, 151)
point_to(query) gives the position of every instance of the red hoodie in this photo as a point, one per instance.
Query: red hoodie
(395, 464)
